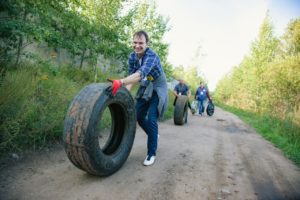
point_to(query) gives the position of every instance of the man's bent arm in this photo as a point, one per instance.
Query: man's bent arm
(130, 80)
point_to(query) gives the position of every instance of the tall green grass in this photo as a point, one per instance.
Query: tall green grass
(284, 134)
(34, 101)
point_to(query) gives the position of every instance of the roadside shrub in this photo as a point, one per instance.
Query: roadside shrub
(16, 88)
(33, 103)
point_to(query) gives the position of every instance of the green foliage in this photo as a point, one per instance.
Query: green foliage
(178, 72)
(146, 18)
(14, 92)
(281, 88)
(268, 80)
(33, 107)
(77, 75)
(34, 100)
(12, 100)
(190, 76)
(264, 89)
(24, 22)
(283, 133)
(291, 39)
(86, 29)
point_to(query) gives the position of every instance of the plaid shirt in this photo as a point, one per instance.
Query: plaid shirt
(150, 65)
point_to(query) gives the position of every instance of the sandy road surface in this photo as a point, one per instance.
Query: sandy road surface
(215, 157)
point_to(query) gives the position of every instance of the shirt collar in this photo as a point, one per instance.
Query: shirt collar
(136, 56)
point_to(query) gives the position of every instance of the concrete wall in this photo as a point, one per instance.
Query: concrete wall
(61, 57)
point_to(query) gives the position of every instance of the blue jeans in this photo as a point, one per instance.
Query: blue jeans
(201, 106)
(147, 115)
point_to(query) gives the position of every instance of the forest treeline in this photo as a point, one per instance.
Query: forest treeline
(267, 81)
(264, 89)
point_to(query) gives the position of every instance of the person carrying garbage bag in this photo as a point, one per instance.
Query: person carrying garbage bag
(201, 95)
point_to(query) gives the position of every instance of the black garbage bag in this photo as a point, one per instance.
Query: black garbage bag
(210, 108)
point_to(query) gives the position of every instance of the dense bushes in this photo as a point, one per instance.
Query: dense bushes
(33, 104)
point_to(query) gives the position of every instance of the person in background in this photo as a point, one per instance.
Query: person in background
(181, 89)
(152, 96)
(201, 96)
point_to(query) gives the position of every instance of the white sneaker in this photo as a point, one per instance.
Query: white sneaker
(149, 160)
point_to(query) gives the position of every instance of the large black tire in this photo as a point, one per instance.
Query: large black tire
(81, 137)
(181, 110)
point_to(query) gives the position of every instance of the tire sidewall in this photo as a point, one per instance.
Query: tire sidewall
(103, 163)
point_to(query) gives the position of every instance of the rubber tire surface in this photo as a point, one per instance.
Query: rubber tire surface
(210, 109)
(181, 110)
(80, 137)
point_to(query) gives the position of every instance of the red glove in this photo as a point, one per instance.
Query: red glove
(116, 84)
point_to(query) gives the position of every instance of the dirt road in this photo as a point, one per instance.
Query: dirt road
(215, 157)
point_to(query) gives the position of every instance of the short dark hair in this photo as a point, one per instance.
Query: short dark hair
(140, 33)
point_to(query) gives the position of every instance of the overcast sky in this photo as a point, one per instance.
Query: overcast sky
(215, 35)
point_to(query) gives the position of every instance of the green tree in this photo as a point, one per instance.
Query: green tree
(85, 28)
(26, 21)
(263, 51)
(267, 81)
(107, 16)
(246, 80)
(178, 72)
(145, 17)
(290, 44)
(189, 74)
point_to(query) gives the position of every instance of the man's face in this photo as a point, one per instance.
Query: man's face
(139, 44)
(181, 81)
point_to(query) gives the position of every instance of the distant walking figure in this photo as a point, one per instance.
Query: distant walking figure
(201, 96)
